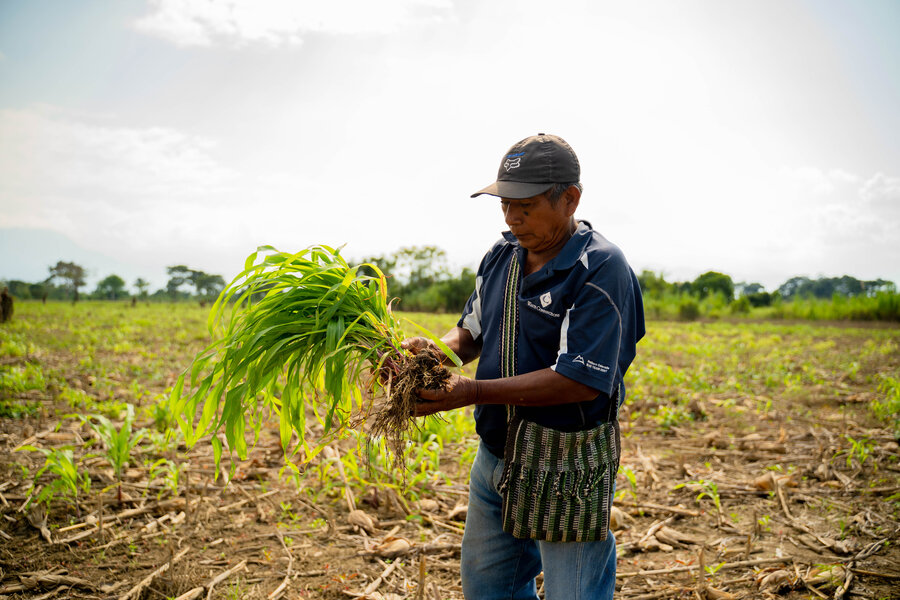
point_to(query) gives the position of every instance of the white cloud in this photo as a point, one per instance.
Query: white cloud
(117, 189)
(883, 193)
(152, 196)
(282, 22)
(45, 149)
(821, 182)
(849, 223)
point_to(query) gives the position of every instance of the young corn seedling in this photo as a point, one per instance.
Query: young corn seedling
(632, 485)
(68, 481)
(118, 442)
(708, 489)
(302, 330)
(171, 473)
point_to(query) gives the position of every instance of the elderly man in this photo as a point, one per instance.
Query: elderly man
(555, 317)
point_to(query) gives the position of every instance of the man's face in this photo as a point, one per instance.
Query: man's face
(538, 224)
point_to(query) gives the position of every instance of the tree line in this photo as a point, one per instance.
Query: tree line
(420, 279)
(713, 282)
(714, 294)
(66, 281)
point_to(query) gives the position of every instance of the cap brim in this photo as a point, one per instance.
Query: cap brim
(514, 189)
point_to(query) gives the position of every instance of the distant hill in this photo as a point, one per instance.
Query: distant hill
(25, 254)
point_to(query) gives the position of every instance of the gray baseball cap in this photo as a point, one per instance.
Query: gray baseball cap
(532, 166)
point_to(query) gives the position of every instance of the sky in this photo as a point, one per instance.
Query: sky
(759, 138)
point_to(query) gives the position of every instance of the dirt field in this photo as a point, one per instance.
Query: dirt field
(754, 466)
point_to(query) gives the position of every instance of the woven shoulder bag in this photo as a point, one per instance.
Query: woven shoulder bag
(557, 486)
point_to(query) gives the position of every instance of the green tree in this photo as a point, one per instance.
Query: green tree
(420, 278)
(420, 266)
(111, 288)
(18, 289)
(413, 273)
(653, 284)
(207, 286)
(141, 284)
(71, 273)
(178, 276)
(455, 291)
(712, 282)
(746, 289)
(39, 291)
(828, 287)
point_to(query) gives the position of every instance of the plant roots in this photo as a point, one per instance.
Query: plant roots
(395, 418)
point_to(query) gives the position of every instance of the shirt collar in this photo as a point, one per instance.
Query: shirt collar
(570, 253)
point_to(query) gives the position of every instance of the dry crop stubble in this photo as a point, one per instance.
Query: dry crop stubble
(775, 399)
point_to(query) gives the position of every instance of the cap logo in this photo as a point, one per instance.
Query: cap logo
(512, 163)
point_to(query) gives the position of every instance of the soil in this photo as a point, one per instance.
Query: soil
(794, 494)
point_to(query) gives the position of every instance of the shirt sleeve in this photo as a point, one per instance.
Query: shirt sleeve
(590, 339)
(471, 315)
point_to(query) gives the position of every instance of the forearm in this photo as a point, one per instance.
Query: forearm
(463, 344)
(538, 388)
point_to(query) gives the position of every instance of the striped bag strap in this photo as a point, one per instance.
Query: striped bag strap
(509, 324)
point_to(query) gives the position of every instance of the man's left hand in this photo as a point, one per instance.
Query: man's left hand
(461, 391)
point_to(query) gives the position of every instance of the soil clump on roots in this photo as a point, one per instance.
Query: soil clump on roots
(396, 417)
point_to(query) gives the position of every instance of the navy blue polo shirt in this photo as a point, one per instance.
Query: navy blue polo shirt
(581, 314)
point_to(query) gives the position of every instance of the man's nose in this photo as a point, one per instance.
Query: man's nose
(513, 216)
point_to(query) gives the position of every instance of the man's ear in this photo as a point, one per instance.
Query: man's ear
(572, 196)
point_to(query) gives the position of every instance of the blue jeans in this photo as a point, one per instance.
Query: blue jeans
(496, 566)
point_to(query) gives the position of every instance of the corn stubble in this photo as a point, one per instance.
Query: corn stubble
(303, 330)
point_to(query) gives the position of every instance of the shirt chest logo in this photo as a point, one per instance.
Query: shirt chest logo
(542, 309)
(546, 300)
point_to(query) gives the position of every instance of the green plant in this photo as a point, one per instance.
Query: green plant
(76, 398)
(17, 379)
(887, 409)
(708, 489)
(291, 329)
(632, 482)
(118, 443)
(689, 310)
(763, 407)
(668, 416)
(170, 472)
(235, 590)
(163, 442)
(162, 416)
(843, 527)
(859, 449)
(286, 512)
(13, 409)
(68, 481)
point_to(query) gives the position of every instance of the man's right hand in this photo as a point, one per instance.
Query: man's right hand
(459, 340)
(417, 344)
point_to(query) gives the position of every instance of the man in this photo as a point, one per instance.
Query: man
(580, 316)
